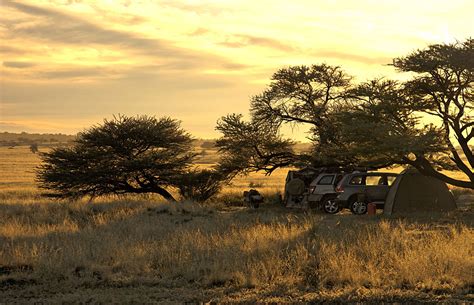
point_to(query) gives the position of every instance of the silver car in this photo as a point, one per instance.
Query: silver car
(356, 190)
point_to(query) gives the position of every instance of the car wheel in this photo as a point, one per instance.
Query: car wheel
(330, 205)
(358, 207)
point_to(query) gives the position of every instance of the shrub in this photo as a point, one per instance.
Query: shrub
(200, 185)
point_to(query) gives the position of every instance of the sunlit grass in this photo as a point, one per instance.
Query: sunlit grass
(136, 241)
(116, 245)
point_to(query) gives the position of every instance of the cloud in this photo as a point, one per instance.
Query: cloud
(120, 18)
(267, 42)
(72, 73)
(62, 28)
(241, 40)
(18, 64)
(13, 127)
(11, 50)
(235, 66)
(199, 32)
(200, 9)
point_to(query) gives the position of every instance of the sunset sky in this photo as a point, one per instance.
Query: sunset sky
(68, 64)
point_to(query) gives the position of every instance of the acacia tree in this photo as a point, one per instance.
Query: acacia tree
(303, 95)
(381, 128)
(124, 155)
(250, 146)
(297, 95)
(426, 122)
(444, 88)
(375, 124)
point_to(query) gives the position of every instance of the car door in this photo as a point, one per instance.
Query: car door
(376, 187)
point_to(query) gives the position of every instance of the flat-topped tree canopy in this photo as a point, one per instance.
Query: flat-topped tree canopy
(141, 154)
(377, 123)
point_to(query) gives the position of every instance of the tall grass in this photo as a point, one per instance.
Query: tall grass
(271, 251)
(148, 242)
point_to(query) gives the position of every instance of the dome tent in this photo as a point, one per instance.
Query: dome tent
(413, 192)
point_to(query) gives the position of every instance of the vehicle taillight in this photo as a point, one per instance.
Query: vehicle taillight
(311, 189)
(339, 189)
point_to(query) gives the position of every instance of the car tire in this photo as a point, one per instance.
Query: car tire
(329, 205)
(358, 207)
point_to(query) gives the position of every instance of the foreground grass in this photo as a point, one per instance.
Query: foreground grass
(142, 250)
(147, 251)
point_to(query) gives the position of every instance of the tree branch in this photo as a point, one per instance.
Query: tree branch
(424, 167)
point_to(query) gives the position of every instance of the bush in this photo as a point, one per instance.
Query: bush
(200, 185)
(34, 148)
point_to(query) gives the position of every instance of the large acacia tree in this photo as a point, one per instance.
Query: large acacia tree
(444, 88)
(426, 122)
(124, 155)
(297, 95)
(378, 123)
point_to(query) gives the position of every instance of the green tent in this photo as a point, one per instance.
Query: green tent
(413, 192)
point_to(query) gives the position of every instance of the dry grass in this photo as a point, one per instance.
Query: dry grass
(48, 247)
(145, 250)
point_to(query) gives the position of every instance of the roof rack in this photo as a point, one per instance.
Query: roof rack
(335, 169)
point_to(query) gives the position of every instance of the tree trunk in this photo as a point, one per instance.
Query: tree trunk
(164, 193)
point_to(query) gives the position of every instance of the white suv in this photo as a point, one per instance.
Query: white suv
(322, 191)
(302, 190)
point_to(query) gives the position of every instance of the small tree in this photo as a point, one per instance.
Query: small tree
(201, 185)
(124, 155)
(34, 148)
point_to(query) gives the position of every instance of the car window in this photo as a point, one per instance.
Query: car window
(391, 179)
(373, 180)
(357, 180)
(326, 180)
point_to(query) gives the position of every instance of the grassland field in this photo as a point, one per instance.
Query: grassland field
(140, 249)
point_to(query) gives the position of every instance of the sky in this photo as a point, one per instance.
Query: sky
(68, 64)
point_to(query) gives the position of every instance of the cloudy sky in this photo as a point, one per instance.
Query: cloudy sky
(68, 64)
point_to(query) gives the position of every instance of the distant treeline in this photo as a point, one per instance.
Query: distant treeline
(47, 139)
(24, 138)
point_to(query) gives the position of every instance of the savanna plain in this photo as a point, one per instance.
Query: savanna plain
(140, 249)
